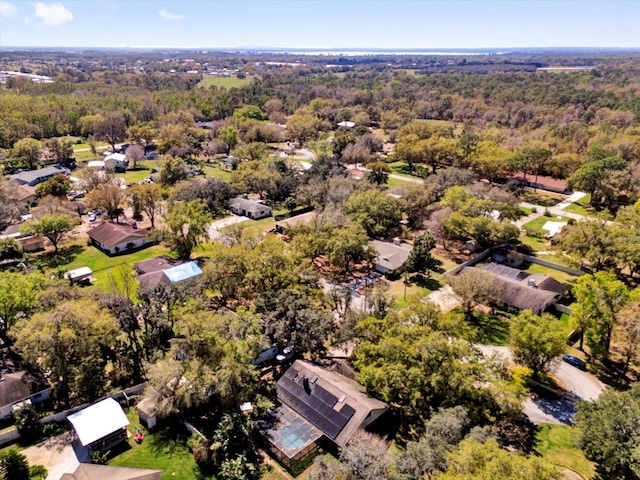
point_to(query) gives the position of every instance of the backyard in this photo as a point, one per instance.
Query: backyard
(556, 444)
(164, 450)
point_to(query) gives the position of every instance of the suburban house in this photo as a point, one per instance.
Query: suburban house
(116, 161)
(249, 208)
(34, 177)
(20, 388)
(91, 471)
(521, 290)
(29, 243)
(22, 193)
(316, 405)
(164, 270)
(114, 238)
(390, 256)
(296, 221)
(100, 426)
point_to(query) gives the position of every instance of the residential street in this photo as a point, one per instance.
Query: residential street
(578, 385)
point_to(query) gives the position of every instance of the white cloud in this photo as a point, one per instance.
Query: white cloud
(52, 14)
(167, 15)
(6, 9)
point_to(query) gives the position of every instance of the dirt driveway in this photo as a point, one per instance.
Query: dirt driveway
(59, 455)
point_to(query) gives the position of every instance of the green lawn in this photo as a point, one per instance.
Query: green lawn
(214, 170)
(255, 227)
(539, 222)
(556, 444)
(538, 244)
(581, 207)
(552, 272)
(164, 450)
(86, 156)
(142, 171)
(82, 146)
(396, 182)
(79, 254)
(224, 82)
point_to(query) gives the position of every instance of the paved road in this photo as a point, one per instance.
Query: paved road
(578, 385)
(59, 455)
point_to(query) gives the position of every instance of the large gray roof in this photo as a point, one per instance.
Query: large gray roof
(390, 255)
(333, 403)
(31, 175)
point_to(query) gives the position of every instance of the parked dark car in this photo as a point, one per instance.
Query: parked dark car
(575, 361)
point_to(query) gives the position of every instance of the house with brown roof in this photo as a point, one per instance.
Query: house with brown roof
(114, 238)
(316, 405)
(285, 224)
(18, 388)
(90, 471)
(29, 243)
(520, 290)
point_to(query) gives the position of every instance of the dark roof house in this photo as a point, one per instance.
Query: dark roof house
(296, 221)
(116, 238)
(521, 290)
(164, 270)
(316, 403)
(18, 387)
(34, 177)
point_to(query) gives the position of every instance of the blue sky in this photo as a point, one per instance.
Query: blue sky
(358, 24)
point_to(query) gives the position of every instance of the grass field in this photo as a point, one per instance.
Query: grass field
(582, 207)
(539, 222)
(214, 170)
(557, 274)
(556, 444)
(77, 254)
(397, 182)
(164, 450)
(223, 82)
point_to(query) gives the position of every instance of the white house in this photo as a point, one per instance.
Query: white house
(114, 238)
(249, 208)
(116, 161)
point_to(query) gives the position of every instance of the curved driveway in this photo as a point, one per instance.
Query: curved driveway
(576, 384)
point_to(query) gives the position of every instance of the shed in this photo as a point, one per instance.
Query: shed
(100, 426)
(146, 409)
(79, 275)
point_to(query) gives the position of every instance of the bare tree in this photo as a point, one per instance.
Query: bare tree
(134, 154)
